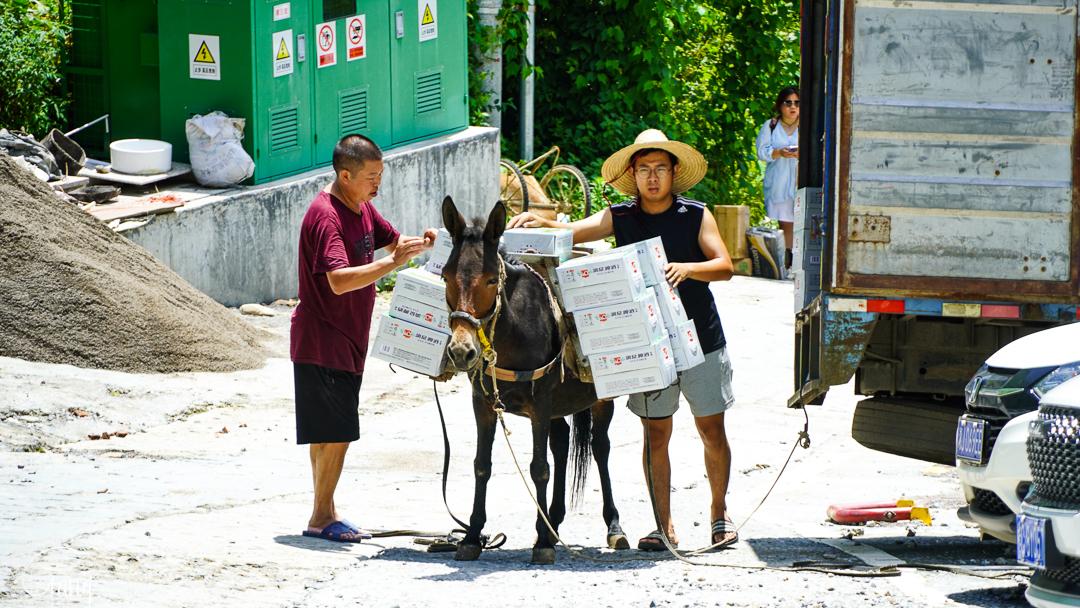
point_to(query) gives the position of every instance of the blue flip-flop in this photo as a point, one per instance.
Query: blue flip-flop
(364, 534)
(336, 532)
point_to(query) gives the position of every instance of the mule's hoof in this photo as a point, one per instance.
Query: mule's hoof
(467, 553)
(619, 542)
(544, 556)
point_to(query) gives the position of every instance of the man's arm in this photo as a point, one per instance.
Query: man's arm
(593, 228)
(344, 280)
(717, 265)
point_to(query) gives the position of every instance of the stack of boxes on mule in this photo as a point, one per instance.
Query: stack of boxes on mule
(630, 323)
(415, 332)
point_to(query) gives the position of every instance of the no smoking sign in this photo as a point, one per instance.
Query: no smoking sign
(326, 43)
(356, 37)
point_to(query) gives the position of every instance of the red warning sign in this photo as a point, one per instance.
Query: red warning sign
(356, 37)
(326, 43)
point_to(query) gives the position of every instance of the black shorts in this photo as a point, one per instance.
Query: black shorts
(327, 404)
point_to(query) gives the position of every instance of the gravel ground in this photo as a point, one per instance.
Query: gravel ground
(203, 500)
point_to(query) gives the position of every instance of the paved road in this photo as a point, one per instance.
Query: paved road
(203, 501)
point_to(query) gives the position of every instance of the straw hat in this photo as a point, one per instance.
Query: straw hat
(692, 165)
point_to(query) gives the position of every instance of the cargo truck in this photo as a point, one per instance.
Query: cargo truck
(937, 212)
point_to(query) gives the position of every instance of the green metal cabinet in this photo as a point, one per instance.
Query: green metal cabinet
(302, 73)
(352, 94)
(113, 69)
(252, 66)
(430, 89)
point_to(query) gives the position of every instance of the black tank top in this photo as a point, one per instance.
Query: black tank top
(678, 228)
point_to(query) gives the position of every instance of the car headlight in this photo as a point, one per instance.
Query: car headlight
(1056, 377)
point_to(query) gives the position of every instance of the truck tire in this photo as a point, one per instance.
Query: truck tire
(924, 430)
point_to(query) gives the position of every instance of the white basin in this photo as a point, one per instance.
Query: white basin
(140, 156)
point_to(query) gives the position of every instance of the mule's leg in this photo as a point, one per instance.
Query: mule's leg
(544, 549)
(602, 413)
(470, 547)
(560, 451)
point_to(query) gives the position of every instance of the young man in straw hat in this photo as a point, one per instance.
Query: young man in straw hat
(655, 171)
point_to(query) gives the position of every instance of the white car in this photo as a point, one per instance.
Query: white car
(1048, 529)
(995, 490)
(990, 441)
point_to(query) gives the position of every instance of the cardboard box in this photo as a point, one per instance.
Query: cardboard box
(642, 312)
(440, 252)
(671, 306)
(411, 346)
(615, 266)
(686, 346)
(557, 242)
(636, 381)
(767, 252)
(652, 257)
(619, 338)
(419, 313)
(421, 286)
(744, 267)
(657, 354)
(807, 287)
(603, 294)
(733, 222)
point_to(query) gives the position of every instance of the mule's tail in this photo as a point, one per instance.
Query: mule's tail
(581, 453)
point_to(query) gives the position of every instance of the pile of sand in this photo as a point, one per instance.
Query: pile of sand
(73, 291)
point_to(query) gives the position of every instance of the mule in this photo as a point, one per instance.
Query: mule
(509, 306)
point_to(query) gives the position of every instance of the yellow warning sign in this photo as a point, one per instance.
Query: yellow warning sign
(283, 51)
(204, 56)
(428, 13)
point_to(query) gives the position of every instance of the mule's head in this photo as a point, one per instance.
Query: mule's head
(472, 280)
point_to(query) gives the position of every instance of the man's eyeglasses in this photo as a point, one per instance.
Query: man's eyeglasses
(791, 103)
(646, 173)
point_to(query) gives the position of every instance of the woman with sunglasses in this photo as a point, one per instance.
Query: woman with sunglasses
(778, 145)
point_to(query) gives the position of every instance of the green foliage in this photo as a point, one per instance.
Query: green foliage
(704, 72)
(33, 38)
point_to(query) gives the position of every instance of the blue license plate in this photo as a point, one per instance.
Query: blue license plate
(1031, 541)
(970, 433)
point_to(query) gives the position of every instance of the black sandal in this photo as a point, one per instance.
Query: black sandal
(721, 528)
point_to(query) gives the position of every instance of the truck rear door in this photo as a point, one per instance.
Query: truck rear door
(957, 169)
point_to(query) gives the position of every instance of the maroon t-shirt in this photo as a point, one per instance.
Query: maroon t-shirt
(327, 329)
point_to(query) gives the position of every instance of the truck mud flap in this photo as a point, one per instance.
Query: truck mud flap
(829, 344)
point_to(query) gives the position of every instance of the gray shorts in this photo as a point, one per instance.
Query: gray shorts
(707, 388)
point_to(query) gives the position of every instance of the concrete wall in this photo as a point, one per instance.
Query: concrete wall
(240, 245)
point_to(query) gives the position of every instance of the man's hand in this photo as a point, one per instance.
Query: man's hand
(677, 272)
(408, 247)
(528, 220)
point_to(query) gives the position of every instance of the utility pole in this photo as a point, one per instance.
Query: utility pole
(491, 69)
(527, 89)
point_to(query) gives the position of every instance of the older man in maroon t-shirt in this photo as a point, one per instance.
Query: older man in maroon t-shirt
(329, 339)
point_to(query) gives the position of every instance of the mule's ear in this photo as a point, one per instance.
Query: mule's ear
(496, 223)
(452, 219)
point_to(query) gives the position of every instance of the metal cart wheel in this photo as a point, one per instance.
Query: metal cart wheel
(567, 185)
(512, 186)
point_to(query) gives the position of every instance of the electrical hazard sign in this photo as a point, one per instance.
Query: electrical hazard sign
(204, 53)
(326, 44)
(429, 19)
(356, 37)
(283, 53)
